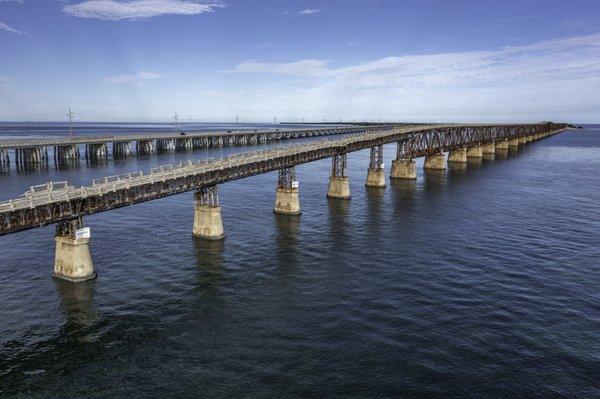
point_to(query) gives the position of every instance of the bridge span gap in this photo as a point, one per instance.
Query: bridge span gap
(66, 206)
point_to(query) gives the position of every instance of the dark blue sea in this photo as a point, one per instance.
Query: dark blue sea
(477, 282)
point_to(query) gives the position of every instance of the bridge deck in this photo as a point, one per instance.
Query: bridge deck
(64, 141)
(54, 202)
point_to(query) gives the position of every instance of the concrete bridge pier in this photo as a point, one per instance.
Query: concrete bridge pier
(339, 183)
(31, 155)
(66, 152)
(435, 161)
(475, 152)
(72, 258)
(145, 147)
(489, 148)
(458, 155)
(208, 223)
(287, 200)
(165, 145)
(522, 140)
(375, 174)
(95, 151)
(4, 157)
(403, 169)
(121, 149)
(514, 142)
(502, 145)
(184, 144)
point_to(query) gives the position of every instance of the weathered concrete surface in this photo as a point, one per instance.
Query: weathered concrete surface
(287, 201)
(97, 150)
(475, 152)
(489, 148)
(522, 140)
(339, 187)
(73, 260)
(208, 223)
(502, 145)
(435, 162)
(513, 143)
(528, 139)
(458, 156)
(375, 178)
(404, 169)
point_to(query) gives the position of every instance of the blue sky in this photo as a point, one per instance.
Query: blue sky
(143, 60)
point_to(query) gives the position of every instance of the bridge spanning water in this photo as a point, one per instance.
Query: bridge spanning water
(66, 206)
(28, 151)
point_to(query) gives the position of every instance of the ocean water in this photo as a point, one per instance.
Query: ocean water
(477, 282)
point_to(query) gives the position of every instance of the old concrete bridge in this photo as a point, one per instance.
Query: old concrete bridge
(30, 151)
(66, 205)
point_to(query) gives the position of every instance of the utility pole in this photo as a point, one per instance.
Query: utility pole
(70, 115)
(176, 117)
(237, 119)
(275, 120)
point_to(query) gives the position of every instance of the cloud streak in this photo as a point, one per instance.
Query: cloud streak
(309, 11)
(140, 78)
(9, 29)
(115, 10)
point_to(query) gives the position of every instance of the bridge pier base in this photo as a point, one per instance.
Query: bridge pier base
(185, 144)
(208, 223)
(72, 258)
(458, 156)
(4, 157)
(94, 151)
(287, 200)
(339, 183)
(475, 152)
(31, 155)
(403, 169)
(166, 145)
(121, 149)
(522, 140)
(375, 174)
(435, 162)
(514, 142)
(489, 148)
(66, 152)
(502, 145)
(145, 147)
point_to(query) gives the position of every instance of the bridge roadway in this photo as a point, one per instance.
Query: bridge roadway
(56, 202)
(35, 150)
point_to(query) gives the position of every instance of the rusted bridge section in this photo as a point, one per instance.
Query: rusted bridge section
(66, 205)
(36, 150)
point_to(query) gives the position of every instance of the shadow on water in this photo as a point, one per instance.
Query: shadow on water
(375, 198)
(339, 210)
(97, 161)
(209, 260)
(77, 302)
(68, 164)
(288, 227)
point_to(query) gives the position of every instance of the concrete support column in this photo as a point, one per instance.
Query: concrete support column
(184, 144)
(207, 214)
(339, 183)
(457, 156)
(94, 151)
(502, 145)
(287, 200)
(528, 139)
(166, 145)
(522, 140)
(435, 161)
(33, 155)
(475, 152)
(121, 149)
(404, 169)
(514, 142)
(4, 157)
(145, 147)
(66, 152)
(489, 148)
(72, 259)
(375, 174)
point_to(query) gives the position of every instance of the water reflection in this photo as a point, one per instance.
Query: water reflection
(68, 163)
(474, 161)
(77, 302)
(209, 259)
(457, 167)
(501, 154)
(489, 157)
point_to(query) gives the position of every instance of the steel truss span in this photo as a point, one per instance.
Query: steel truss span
(57, 202)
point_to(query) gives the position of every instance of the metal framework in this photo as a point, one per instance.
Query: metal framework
(376, 161)
(207, 196)
(339, 165)
(286, 177)
(67, 228)
(56, 202)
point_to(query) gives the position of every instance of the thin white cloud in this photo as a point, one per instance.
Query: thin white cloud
(115, 10)
(304, 67)
(309, 11)
(520, 18)
(9, 29)
(4, 82)
(140, 78)
(560, 76)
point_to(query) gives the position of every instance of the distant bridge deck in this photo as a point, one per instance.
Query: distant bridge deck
(56, 202)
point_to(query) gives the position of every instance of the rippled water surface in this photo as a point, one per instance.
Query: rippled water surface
(480, 282)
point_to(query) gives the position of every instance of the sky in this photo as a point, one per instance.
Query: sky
(411, 60)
